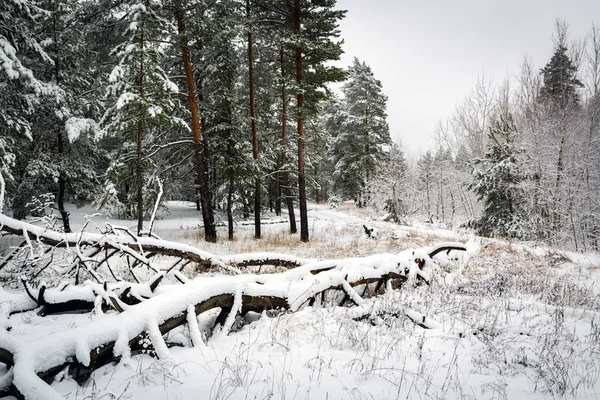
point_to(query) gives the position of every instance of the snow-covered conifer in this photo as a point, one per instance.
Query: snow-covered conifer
(143, 105)
(496, 181)
(364, 138)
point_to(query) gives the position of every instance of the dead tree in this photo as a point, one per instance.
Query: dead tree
(118, 241)
(118, 334)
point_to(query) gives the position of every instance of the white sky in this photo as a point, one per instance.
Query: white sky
(428, 54)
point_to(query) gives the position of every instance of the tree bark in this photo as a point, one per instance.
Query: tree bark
(300, 104)
(201, 150)
(284, 178)
(257, 196)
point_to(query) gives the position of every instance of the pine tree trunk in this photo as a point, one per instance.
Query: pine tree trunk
(366, 198)
(140, 133)
(197, 195)
(201, 149)
(277, 183)
(230, 206)
(285, 188)
(300, 105)
(64, 215)
(254, 133)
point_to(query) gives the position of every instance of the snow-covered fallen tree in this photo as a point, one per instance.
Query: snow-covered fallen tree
(91, 250)
(116, 335)
(129, 315)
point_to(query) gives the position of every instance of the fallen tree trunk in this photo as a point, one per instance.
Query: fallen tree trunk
(117, 335)
(139, 248)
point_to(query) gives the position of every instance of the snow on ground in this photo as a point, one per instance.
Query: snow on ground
(513, 321)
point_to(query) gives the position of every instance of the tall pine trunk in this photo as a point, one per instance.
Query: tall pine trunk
(60, 199)
(300, 117)
(365, 192)
(139, 137)
(284, 178)
(253, 126)
(201, 143)
(230, 205)
(277, 188)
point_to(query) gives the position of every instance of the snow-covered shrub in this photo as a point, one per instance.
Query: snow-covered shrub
(334, 202)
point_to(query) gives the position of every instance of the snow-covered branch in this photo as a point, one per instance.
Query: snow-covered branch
(117, 335)
(140, 247)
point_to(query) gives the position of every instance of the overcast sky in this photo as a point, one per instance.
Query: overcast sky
(428, 54)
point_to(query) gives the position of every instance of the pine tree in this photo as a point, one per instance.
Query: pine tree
(194, 83)
(142, 104)
(496, 180)
(315, 30)
(283, 178)
(257, 180)
(360, 147)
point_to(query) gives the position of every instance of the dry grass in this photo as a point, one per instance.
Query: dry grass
(329, 240)
(333, 242)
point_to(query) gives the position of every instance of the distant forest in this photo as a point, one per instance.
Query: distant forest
(229, 103)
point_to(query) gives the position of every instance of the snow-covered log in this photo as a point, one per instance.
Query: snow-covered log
(76, 298)
(139, 248)
(114, 336)
(142, 248)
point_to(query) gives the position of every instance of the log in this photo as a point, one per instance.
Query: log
(141, 248)
(112, 336)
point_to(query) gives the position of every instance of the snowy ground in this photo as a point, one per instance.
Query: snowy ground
(515, 321)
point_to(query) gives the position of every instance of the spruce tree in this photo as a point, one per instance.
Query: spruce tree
(224, 104)
(560, 81)
(496, 181)
(58, 159)
(561, 101)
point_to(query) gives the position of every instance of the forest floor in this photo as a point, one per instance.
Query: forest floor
(516, 320)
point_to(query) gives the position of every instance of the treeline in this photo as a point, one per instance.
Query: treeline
(520, 159)
(115, 101)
